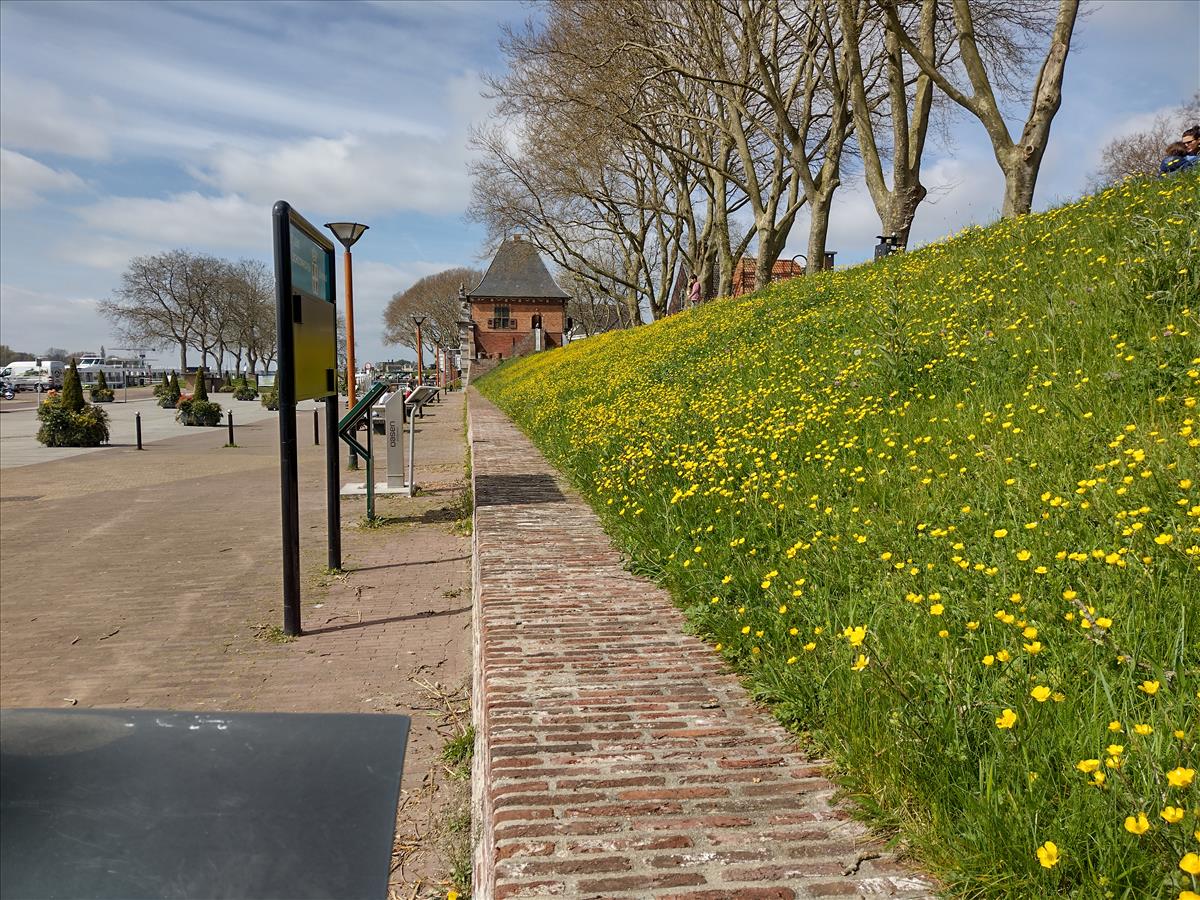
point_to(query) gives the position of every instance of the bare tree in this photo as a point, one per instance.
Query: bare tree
(903, 107)
(249, 321)
(436, 298)
(157, 302)
(1007, 23)
(1141, 152)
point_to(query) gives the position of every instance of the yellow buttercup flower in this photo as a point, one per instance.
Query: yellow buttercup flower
(1190, 863)
(1088, 765)
(1114, 725)
(1048, 855)
(1172, 814)
(1041, 693)
(1142, 729)
(1180, 777)
(855, 635)
(861, 663)
(1000, 533)
(1007, 719)
(1149, 687)
(1138, 824)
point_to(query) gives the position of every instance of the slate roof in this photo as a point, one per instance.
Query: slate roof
(518, 271)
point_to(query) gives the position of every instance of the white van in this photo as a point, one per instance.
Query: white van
(33, 374)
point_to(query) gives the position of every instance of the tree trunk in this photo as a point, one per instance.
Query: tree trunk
(818, 230)
(1020, 177)
(900, 211)
(183, 356)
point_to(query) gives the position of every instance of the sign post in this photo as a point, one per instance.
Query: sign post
(306, 326)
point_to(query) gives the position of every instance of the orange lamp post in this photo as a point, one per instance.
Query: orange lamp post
(417, 320)
(347, 233)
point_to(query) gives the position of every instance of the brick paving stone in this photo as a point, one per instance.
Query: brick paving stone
(616, 755)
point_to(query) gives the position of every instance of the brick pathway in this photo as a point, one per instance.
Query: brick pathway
(616, 755)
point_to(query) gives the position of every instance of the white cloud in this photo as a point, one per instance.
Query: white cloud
(36, 115)
(374, 285)
(189, 219)
(23, 180)
(34, 320)
(361, 172)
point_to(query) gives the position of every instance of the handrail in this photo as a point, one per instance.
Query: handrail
(349, 423)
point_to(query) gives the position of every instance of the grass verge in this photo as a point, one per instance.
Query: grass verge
(943, 511)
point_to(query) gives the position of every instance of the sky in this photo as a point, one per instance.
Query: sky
(132, 128)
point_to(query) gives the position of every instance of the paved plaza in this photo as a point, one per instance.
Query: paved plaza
(152, 579)
(19, 425)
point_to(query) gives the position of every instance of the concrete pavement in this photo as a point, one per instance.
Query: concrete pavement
(18, 427)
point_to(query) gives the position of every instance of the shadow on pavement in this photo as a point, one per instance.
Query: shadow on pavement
(328, 629)
(515, 490)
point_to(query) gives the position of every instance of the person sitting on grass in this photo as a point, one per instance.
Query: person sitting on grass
(1177, 159)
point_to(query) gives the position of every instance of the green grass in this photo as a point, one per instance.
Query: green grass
(986, 456)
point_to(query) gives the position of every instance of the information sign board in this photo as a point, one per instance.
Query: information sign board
(309, 273)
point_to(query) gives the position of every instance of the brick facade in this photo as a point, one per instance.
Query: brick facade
(744, 281)
(492, 342)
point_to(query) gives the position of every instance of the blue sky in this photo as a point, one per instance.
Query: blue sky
(130, 128)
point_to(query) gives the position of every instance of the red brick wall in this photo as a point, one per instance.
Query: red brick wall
(491, 342)
(743, 273)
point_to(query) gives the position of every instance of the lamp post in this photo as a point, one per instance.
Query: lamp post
(417, 320)
(347, 233)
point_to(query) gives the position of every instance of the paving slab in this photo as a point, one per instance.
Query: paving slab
(616, 755)
(19, 425)
(152, 579)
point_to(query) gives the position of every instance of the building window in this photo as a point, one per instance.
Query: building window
(501, 318)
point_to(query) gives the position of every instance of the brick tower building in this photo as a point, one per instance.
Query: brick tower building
(517, 308)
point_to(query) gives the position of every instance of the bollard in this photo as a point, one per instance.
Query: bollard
(230, 414)
(316, 428)
(137, 420)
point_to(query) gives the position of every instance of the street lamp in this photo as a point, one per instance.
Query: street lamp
(347, 233)
(417, 320)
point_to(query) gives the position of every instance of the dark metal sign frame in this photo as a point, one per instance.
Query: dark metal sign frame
(304, 309)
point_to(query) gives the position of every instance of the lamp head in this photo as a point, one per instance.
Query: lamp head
(346, 232)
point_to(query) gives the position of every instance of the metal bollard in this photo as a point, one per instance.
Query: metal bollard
(137, 421)
(230, 414)
(316, 428)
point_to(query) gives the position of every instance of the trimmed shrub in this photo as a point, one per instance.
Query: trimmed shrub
(243, 390)
(65, 427)
(170, 399)
(194, 411)
(270, 398)
(200, 392)
(101, 392)
(72, 397)
(161, 390)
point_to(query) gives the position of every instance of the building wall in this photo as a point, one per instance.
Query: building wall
(491, 342)
(744, 281)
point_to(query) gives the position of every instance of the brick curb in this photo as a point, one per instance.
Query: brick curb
(615, 755)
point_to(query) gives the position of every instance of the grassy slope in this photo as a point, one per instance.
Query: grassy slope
(986, 455)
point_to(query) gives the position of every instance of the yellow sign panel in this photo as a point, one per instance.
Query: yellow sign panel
(314, 324)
